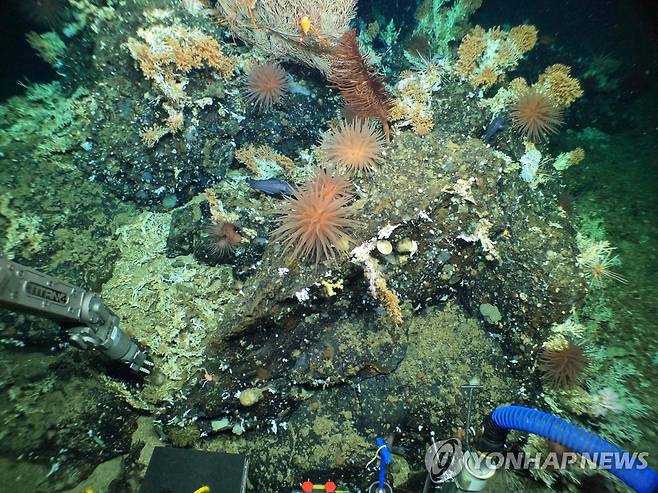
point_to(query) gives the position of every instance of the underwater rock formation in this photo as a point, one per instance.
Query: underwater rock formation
(158, 182)
(462, 226)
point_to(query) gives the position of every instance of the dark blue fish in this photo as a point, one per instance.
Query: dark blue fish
(272, 186)
(496, 124)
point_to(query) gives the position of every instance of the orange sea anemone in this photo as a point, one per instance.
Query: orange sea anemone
(565, 367)
(357, 145)
(314, 221)
(223, 238)
(330, 184)
(266, 85)
(535, 116)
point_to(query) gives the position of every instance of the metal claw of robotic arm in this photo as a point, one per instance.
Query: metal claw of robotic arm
(95, 325)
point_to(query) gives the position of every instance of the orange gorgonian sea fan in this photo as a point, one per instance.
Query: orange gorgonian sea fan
(363, 90)
(314, 221)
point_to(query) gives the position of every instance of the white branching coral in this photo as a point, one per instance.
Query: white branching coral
(304, 31)
(596, 259)
(481, 233)
(377, 284)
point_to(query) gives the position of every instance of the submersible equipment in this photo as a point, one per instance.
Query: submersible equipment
(630, 468)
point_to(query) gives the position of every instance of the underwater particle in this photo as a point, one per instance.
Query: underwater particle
(535, 116)
(313, 223)
(224, 237)
(251, 396)
(266, 85)
(357, 145)
(563, 367)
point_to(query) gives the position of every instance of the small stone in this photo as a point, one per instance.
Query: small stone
(490, 313)
(406, 245)
(384, 247)
(220, 424)
(249, 397)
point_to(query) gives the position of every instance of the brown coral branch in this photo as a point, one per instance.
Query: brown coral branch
(363, 90)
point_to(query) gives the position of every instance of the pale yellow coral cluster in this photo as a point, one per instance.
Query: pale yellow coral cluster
(254, 158)
(151, 135)
(413, 103)
(166, 54)
(559, 85)
(568, 159)
(215, 206)
(505, 96)
(484, 57)
(556, 83)
(390, 301)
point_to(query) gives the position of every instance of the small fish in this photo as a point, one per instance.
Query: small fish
(496, 124)
(272, 186)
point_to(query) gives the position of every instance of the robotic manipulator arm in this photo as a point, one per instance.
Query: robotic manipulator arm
(95, 326)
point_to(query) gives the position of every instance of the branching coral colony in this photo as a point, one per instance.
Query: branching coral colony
(364, 91)
(166, 54)
(297, 30)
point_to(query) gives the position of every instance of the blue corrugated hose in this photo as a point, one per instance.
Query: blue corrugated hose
(634, 472)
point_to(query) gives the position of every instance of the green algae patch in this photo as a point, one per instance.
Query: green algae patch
(446, 350)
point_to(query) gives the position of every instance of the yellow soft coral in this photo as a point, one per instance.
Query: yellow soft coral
(251, 155)
(524, 37)
(390, 300)
(485, 56)
(166, 55)
(558, 84)
(470, 49)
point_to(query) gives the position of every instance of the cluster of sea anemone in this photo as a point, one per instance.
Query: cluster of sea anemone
(314, 222)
